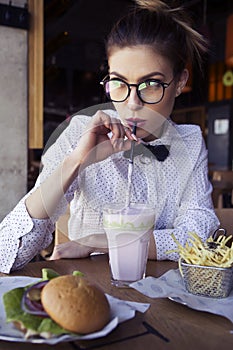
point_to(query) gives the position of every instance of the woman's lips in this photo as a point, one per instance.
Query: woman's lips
(131, 122)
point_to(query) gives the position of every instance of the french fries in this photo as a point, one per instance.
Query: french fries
(206, 267)
(210, 253)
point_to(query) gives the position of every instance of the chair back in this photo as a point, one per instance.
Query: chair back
(223, 175)
(222, 181)
(225, 216)
(61, 228)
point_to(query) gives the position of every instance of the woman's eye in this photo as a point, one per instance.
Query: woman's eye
(154, 83)
(117, 84)
(149, 84)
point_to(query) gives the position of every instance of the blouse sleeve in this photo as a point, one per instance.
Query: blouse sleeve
(21, 237)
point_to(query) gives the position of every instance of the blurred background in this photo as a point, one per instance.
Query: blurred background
(74, 34)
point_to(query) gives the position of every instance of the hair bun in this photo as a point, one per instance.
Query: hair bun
(152, 5)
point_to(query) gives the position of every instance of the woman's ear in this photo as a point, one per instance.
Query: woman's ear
(182, 81)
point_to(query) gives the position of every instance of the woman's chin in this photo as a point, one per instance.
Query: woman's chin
(145, 136)
(142, 134)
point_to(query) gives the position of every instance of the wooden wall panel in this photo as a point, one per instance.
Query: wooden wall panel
(35, 73)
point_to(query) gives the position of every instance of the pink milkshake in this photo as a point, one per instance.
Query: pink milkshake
(128, 232)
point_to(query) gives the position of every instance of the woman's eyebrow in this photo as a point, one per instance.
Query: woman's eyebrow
(118, 75)
(144, 77)
(152, 74)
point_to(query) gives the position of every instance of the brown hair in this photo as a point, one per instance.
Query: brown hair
(167, 30)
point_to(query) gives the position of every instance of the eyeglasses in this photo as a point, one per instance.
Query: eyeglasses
(149, 91)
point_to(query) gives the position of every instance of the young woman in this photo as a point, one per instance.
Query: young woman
(87, 166)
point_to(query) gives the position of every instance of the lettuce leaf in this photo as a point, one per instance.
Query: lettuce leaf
(48, 274)
(14, 313)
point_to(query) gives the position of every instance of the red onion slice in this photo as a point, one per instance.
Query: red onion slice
(33, 307)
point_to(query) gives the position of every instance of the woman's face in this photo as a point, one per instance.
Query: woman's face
(135, 65)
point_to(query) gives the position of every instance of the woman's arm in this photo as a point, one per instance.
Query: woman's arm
(33, 219)
(94, 146)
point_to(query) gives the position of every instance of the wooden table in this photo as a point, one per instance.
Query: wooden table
(183, 327)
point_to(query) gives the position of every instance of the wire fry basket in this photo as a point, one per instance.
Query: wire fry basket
(215, 282)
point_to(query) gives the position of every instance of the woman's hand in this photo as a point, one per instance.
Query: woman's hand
(96, 145)
(81, 248)
(70, 250)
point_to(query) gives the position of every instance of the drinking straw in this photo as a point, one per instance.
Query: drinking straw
(134, 129)
(130, 167)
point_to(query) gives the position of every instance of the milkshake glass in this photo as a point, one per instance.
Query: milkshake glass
(128, 231)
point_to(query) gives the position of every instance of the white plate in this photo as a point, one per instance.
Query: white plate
(120, 311)
(178, 300)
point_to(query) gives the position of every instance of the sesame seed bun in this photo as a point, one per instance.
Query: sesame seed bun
(75, 304)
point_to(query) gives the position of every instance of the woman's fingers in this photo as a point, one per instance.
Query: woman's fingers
(69, 250)
(104, 136)
(103, 123)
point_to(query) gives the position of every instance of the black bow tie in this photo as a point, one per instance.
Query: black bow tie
(160, 152)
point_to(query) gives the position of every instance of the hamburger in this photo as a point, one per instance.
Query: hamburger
(60, 305)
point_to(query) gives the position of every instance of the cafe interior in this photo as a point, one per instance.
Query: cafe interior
(73, 65)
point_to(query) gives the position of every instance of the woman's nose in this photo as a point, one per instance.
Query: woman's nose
(133, 100)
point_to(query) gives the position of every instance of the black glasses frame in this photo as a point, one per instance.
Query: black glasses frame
(164, 86)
